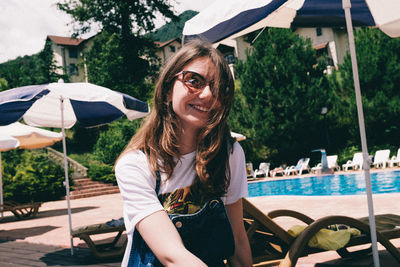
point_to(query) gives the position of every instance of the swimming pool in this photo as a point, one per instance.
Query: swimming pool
(328, 185)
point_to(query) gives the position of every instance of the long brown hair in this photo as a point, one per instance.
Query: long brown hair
(158, 137)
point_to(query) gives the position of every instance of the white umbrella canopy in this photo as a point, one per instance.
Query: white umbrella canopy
(220, 22)
(23, 136)
(30, 137)
(238, 136)
(7, 142)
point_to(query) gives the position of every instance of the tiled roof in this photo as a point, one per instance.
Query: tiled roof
(320, 46)
(65, 40)
(159, 44)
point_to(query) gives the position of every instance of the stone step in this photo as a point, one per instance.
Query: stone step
(82, 181)
(90, 190)
(91, 186)
(97, 193)
(85, 187)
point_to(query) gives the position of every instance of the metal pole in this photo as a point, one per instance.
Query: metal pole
(1, 188)
(66, 174)
(346, 7)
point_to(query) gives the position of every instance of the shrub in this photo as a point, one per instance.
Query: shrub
(29, 176)
(102, 172)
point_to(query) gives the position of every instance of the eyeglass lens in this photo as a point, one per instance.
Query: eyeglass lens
(193, 80)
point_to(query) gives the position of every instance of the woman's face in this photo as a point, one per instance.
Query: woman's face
(191, 93)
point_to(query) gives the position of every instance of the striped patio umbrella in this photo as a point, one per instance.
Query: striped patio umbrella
(221, 21)
(61, 105)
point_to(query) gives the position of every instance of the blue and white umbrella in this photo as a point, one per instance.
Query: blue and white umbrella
(61, 105)
(227, 20)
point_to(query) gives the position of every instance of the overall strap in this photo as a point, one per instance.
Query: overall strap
(158, 182)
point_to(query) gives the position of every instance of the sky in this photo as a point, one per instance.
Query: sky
(24, 24)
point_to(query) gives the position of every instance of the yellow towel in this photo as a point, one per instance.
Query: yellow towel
(326, 239)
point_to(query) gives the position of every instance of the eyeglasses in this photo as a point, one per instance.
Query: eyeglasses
(193, 81)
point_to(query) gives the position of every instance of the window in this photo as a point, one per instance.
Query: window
(172, 49)
(319, 31)
(73, 52)
(73, 69)
(230, 59)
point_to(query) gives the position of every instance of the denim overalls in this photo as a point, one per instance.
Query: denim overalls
(206, 233)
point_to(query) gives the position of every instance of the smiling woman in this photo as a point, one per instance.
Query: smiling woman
(184, 161)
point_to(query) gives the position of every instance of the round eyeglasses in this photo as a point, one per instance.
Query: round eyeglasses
(193, 81)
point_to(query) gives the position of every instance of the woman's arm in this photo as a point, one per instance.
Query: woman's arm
(242, 256)
(164, 240)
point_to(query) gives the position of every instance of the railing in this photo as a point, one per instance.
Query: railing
(78, 169)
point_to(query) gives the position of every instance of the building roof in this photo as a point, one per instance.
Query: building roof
(65, 40)
(160, 44)
(320, 46)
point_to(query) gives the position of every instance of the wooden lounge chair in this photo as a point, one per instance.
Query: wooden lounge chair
(99, 249)
(21, 211)
(271, 243)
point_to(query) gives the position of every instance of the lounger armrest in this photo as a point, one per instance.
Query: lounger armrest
(290, 213)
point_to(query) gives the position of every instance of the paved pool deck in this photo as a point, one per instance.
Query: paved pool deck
(44, 240)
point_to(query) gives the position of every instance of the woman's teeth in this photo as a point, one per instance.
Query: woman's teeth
(200, 108)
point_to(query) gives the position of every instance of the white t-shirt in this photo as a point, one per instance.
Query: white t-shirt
(137, 185)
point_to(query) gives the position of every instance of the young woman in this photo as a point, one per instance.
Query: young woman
(186, 142)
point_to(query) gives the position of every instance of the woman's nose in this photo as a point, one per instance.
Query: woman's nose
(206, 92)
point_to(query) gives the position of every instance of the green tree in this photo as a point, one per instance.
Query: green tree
(39, 68)
(123, 24)
(3, 84)
(283, 89)
(173, 29)
(378, 58)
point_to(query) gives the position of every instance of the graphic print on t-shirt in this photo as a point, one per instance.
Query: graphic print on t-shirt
(182, 201)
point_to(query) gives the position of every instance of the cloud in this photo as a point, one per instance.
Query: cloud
(24, 24)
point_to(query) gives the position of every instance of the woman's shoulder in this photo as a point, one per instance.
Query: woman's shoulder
(132, 157)
(237, 150)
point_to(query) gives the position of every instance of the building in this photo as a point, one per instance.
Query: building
(165, 50)
(67, 54)
(331, 42)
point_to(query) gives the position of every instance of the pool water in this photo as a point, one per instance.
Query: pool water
(328, 185)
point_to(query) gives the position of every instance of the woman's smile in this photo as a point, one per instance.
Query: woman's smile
(200, 108)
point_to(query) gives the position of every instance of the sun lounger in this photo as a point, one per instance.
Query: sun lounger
(103, 250)
(271, 243)
(21, 211)
(395, 159)
(301, 166)
(381, 158)
(332, 164)
(356, 163)
(277, 171)
(262, 170)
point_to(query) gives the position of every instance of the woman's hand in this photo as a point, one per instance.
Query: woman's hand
(164, 240)
(242, 256)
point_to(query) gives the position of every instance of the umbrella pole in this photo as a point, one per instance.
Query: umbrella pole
(346, 7)
(1, 188)
(66, 174)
